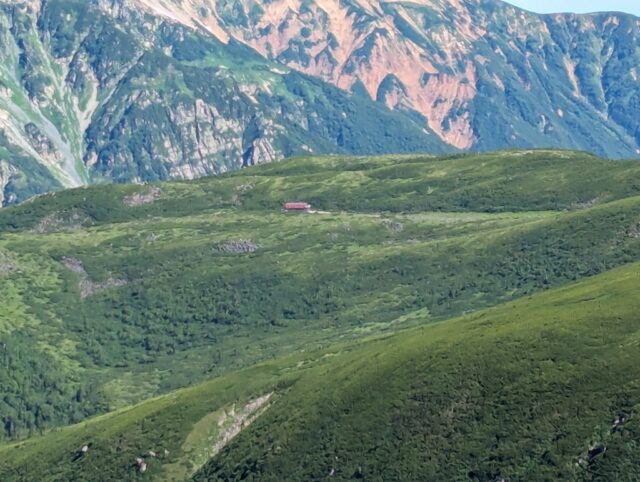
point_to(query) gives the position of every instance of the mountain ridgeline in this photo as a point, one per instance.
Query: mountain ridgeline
(142, 90)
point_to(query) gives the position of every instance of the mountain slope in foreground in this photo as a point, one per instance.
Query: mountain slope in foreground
(544, 388)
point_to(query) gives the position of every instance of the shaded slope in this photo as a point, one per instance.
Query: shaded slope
(522, 391)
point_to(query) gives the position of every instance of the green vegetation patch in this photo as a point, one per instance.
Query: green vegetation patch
(123, 293)
(538, 389)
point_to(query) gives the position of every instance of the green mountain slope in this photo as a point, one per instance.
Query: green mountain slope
(520, 392)
(540, 180)
(113, 294)
(532, 390)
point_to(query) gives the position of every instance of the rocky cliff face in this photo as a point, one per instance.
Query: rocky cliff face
(106, 90)
(483, 74)
(138, 90)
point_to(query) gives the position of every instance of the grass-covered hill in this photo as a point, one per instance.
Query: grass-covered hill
(544, 388)
(518, 181)
(116, 294)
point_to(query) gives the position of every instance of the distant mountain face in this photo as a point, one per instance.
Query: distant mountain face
(483, 74)
(138, 90)
(102, 90)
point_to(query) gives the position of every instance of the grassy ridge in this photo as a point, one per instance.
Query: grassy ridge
(539, 180)
(117, 439)
(107, 303)
(520, 392)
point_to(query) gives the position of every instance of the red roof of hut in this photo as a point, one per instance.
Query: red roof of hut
(298, 206)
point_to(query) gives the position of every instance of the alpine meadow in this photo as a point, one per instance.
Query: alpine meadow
(318, 240)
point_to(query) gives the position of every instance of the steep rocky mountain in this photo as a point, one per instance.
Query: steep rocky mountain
(482, 73)
(106, 91)
(138, 90)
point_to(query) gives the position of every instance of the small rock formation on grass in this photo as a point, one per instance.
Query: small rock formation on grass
(237, 247)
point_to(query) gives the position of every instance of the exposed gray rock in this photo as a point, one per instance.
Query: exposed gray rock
(42, 144)
(245, 187)
(141, 198)
(6, 267)
(87, 286)
(393, 226)
(240, 246)
(7, 173)
(56, 222)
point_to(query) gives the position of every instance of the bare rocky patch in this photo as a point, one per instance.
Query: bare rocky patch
(142, 198)
(395, 242)
(237, 247)
(211, 434)
(87, 286)
(245, 187)
(632, 232)
(59, 222)
(6, 266)
(579, 206)
(233, 422)
(393, 226)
